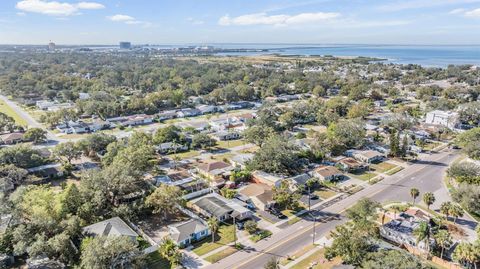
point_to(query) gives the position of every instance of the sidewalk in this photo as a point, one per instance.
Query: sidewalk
(321, 243)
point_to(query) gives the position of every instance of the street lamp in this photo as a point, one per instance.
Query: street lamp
(313, 237)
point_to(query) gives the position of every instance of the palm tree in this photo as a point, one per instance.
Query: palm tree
(213, 226)
(423, 234)
(468, 253)
(446, 208)
(383, 214)
(443, 239)
(169, 250)
(396, 209)
(429, 199)
(414, 193)
(456, 211)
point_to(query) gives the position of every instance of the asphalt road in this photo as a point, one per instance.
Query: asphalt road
(29, 119)
(426, 175)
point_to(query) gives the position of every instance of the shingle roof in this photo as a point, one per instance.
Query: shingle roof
(11, 136)
(327, 171)
(184, 230)
(213, 206)
(208, 167)
(110, 227)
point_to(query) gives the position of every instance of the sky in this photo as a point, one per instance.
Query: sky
(435, 22)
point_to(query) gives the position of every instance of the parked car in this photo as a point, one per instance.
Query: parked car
(240, 225)
(314, 197)
(277, 213)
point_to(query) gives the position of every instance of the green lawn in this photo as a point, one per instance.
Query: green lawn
(223, 237)
(156, 261)
(382, 167)
(431, 145)
(221, 254)
(297, 254)
(325, 194)
(260, 235)
(317, 258)
(366, 176)
(6, 109)
(394, 171)
(231, 143)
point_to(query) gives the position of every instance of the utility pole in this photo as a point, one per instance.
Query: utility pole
(234, 233)
(313, 237)
(309, 197)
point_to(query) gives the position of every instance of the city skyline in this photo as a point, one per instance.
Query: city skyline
(439, 22)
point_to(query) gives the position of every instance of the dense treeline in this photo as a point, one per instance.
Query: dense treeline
(122, 84)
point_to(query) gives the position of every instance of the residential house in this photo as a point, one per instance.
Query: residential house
(214, 171)
(98, 125)
(266, 178)
(170, 147)
(351, 165)
(44, 104)
(245, 117)
(57, 107)
(367, 156)
(224, 135)
(47, 171)
(133, 120)
(327, 173)
(240, 160)
(110, 227)
(187, 232)
(167, 115)
(260, 195)
(206, 109)
(400, 231)
(176, 179)
(448, 119)
(11, 138)
(299, 180)
(73, 127)
(188, 112)
(224, 124)
(198, 126)
(215, 205)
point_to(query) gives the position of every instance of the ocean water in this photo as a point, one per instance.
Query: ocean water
(436, 56)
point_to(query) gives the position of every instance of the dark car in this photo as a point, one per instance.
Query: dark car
(277, 213)
(314, 197)
(240, 225)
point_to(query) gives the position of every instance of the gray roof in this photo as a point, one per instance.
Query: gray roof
(184, 230)
(110, 227)
(213, 206)
(301, 179)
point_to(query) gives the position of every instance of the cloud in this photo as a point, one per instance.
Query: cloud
(120, 17)
(128, 20)
(416, 4)
(467, 13)
(277, 20)
(457, 11)
(54, 8)
(473, 13)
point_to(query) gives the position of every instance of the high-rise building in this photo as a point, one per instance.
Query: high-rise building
(125, 45)
(51, 46)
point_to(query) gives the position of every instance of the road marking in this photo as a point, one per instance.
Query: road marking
(296, 234)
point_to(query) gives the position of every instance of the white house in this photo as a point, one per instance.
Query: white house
(448, 119)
